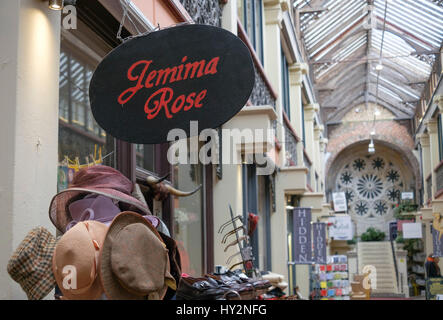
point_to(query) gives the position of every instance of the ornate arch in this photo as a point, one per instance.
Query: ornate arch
(389, 134)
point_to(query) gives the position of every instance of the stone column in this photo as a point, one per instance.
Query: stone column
(310, 111)
(427, 218)
(229, 16)
(439, 101)
(228, 190)
(296, 72)
(272, 62)
(431, 124)
(317, 162)
(352, 264)
(426, 159)
(29, 87)
(272, 65)
(401, 257)
(323, 144)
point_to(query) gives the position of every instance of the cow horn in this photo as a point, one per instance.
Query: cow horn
(153, 181)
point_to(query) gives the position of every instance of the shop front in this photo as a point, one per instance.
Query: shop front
(75, 87)
(96, 175)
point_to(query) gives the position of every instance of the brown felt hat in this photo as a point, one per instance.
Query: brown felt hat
(134, 262)
(75, 261)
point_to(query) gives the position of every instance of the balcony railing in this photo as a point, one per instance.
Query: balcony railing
(429, 89)
(262, 93)
(290, 147)
(204, 12)
(291, 142)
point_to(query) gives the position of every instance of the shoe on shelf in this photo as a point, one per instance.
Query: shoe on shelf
(190, 288)
(260, 286)
(245, 290)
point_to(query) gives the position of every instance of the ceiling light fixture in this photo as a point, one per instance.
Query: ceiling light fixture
(56, 5)
(371, 147)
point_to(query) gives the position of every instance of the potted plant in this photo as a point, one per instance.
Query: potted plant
(351, 243)
(373, 234)
(399, 241)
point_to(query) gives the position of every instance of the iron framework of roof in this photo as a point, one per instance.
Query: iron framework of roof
(343, 39)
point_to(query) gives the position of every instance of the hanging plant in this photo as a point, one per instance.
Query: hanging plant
(403, 210)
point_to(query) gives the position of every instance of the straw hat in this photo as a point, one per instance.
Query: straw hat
(30, 264)
(75, 261)
(100, 180)
(134, 262)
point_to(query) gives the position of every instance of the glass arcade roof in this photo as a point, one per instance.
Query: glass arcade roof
(343, 42)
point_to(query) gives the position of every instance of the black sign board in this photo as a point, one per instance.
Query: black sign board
(165, 79)
(302, 236)
(393, 231)
(319, 241)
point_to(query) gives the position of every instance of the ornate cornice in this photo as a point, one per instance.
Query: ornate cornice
(424, 139)
(431, 124)
(296, 72)
(439, 101)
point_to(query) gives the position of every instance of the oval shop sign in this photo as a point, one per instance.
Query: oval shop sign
(163, 80)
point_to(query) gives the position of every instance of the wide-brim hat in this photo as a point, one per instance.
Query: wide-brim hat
(31, 263)
(134, 262)
(100, 180)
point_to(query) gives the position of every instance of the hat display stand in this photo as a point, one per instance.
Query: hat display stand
(245, 249)
(239, 282)
(32, 263)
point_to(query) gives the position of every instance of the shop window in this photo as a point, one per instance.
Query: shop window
(80, 137)
(145, 156)
(189, 218)
(285, 85)
(264, 227)
(256, 200)
(250, 13)
(440, 137)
